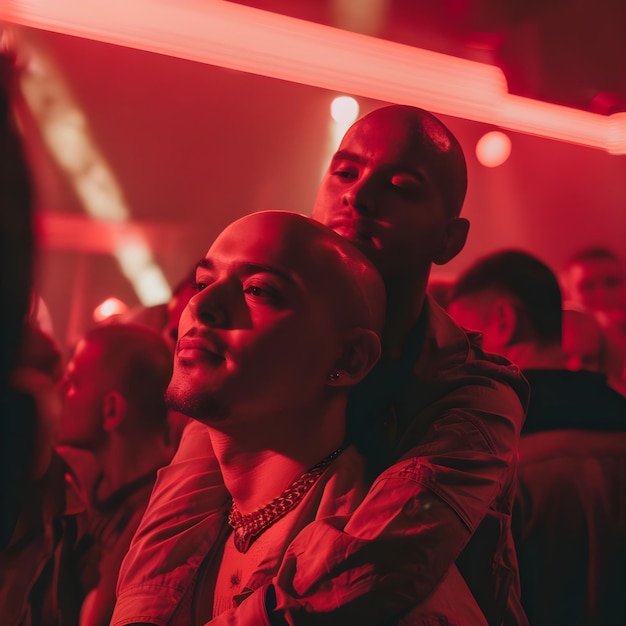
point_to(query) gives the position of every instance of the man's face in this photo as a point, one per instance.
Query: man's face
(582, 342)
(259, 336)
(598, 284)
(378, 194)
(82, 398)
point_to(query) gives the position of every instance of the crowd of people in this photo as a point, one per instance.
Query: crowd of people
(305, 436)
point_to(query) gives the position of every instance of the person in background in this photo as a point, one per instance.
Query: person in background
(164, 318)
(37, 523)
(437, 420)
(570, 510)
(17, 253)
(594, 279)
(584, 344)
(39, 581)
(113, 406)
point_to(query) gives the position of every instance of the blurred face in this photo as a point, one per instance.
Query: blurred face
(259, 337)
(598, 284)
(82, 399)
(582, 342)
(378, 194)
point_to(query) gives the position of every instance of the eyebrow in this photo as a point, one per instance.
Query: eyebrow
(345, 155)
(205, 264)
(254, 268)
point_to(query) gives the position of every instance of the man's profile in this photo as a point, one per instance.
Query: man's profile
(276, 335)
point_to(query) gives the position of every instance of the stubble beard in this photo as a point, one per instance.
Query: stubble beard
(201, 405)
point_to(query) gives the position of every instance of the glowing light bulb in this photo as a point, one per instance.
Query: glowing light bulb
(111, 306)
(493, 149)
(344, 110)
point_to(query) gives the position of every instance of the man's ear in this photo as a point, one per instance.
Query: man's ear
(360, 353)
(505, 321)
(455, 238)
(114, 409)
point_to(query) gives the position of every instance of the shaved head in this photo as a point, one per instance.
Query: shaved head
(395, 188)
(325, 260)
(136, 361)
(424, 134)
(281, 302)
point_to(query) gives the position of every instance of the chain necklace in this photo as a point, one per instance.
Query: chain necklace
(248, 527)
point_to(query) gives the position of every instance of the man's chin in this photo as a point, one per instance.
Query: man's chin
(200, 406)
(370, 248)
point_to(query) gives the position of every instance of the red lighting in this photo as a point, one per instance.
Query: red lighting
(493, 149)
(252, 40)
(111, 306)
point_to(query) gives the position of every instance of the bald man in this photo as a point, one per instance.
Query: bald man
(437, 419)
(113, 406)
(284, 323)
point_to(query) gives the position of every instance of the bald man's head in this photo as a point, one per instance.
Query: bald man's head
(427, 136)
(131, 361)
(283, 304)
(136, 360)
(325, 261)
(395, 188)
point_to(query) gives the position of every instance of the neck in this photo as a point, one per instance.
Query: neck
(258, 464)
(405, 300)
(123, 460)
(530, 355)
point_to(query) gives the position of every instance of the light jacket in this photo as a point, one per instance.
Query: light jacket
(450, 416)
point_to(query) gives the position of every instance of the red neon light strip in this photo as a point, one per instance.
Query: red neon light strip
(242, 38)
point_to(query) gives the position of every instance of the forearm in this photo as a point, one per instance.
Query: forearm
(401, 542)
(182, 522)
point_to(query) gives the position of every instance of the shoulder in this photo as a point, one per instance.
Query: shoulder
(452, 364)
(343, 484)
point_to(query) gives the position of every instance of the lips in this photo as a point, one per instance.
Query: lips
(349, 228)
(192, 347)
(353, 230)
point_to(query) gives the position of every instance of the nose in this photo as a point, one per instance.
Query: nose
(209, 305)
(360, 196)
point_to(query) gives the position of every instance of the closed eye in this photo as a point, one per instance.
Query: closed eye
(257, 291)
(347, 171)
(408, 183)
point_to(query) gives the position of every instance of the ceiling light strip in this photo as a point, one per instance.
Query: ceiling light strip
(251, 40)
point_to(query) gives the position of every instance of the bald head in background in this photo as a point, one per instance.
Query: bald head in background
(395, 188)
(128, 362)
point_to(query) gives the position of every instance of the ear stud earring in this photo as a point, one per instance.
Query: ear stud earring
(333, 377)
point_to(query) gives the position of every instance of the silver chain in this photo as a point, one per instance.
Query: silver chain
(249, 526)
